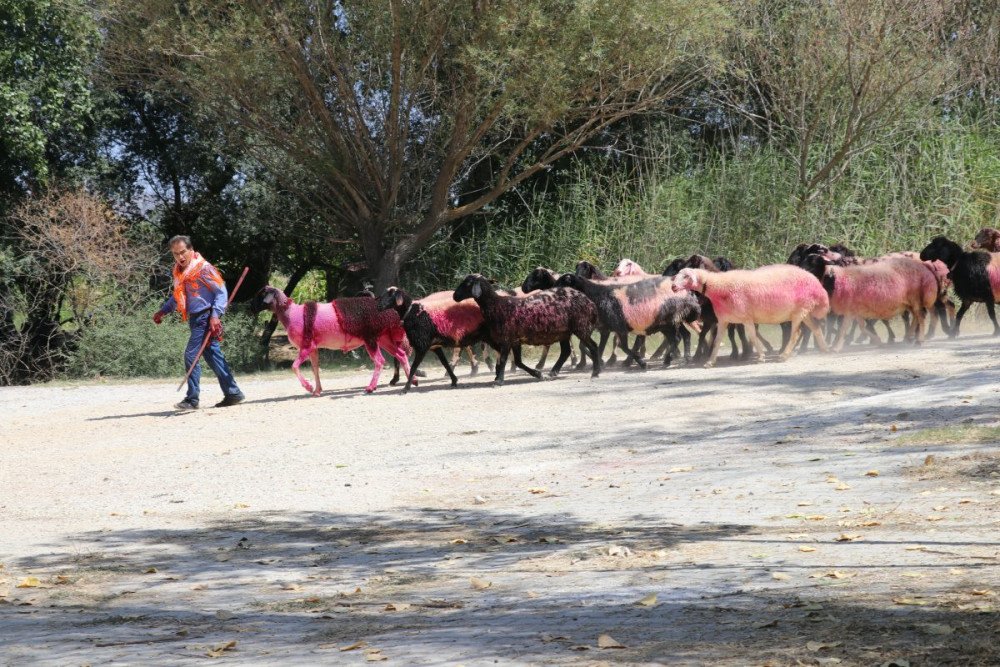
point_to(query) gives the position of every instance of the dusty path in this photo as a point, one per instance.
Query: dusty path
(780, 514)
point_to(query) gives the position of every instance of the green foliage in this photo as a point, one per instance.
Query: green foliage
(119, 342)
(943, 179)
(47, 49)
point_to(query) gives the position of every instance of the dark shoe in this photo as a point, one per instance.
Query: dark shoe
(186, 405)
(230, 399)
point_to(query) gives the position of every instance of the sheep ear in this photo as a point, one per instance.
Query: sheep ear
(477, 290)
(399, 299)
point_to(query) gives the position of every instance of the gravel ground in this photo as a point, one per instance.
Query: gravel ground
(811, 512)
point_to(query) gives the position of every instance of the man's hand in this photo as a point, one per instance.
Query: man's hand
(158, 317)
(215, 327)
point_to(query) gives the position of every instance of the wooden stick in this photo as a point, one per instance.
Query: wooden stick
(208, 334)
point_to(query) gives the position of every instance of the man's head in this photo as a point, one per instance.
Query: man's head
(180, 248)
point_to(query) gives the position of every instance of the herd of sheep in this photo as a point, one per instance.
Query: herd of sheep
(828, 292)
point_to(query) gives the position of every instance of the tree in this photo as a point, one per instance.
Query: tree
(826, 80)
(47, 51)
(380, 111)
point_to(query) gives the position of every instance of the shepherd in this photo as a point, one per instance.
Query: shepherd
(200, 296)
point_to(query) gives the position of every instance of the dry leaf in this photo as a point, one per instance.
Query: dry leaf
(327, 646)
(935, 518)
(868, 524)
(28, 582)
(537, 490)
(532, 594)
(219, 650)
(375, 657)
(607, 641)
(821, 646)
(847, 538)
(354, 646)
(480, 584)
(871, 473)
(681, 469)
(929, 460)
(843, 486)
(910, 601)
(980, 592)
(60, 579)
(648, 601)
(804, 504)
(833, 574)
(458, 541)
(832, 480)
(151, 570)
(807, 549)
(816, 517)
(916, 547)
(293, 587)
(913, 575)
(547, 638)
(241, 505)
(398, 606)
(940, 508)
(781, 576)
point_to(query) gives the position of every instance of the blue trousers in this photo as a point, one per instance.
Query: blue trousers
(212, 356)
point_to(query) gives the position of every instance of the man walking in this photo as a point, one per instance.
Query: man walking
(200, 297)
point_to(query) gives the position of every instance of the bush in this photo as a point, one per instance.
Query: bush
(128, 344)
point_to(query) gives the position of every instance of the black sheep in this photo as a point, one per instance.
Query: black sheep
(975, 276)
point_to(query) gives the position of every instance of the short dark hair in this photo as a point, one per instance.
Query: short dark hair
(180, 238)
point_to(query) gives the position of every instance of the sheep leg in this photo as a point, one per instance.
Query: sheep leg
(376, 354)
(501, 365)
(756, 347)
(613, 359)
(487, 357)
(735, 353)
(817, 332)
(958, 318)
(918, 325)
(564, 349)
(472, 360)
(793, 338)
(583, 356)
(306, 353)
(993, 317)
(767, 345)
(890, 334)
(447, 366)
(672, 336)
(660, 350)
(838, 343)
(635, 352)
(541, 362)
(418, 356)
(314, 362)
(716, 342)
(520, 364)
(595, 355)
(870, 328)
(686, 337)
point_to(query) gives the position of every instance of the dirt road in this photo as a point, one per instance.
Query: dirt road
(812, 512)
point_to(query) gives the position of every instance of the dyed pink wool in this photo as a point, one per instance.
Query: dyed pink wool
(343, 324)
(769, 295)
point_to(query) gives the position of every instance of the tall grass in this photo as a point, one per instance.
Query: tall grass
(943, 178)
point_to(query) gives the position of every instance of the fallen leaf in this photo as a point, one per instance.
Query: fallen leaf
(220, 649)
(151, 570)
(913, 575)
(607, 641)
(617, 550)
(871, 473)
(765, 624)
(916, 547)
(60, 579)
(537, 490)
(821, 646)
(935, 518)
(781, 576)
(327, 646)
(480, 584)
(843, 486)
(804, 504)
(28, 582)
(681, 469)
(940, 508)
(648, 601)
(398, 606)
(293, 587)
(458, 541)
(240, 505)
(532, 594)
(929, 460)
(375, 657)
(832, 480)
(354, 646)
(868, 524)
(816, 517)
(847, 538)
(981, 592)
(547, 638)
(807, 549)
(910, 601)
(833, 574)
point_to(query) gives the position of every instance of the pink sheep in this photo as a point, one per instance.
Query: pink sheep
(880, 291)
(627, 267)
(768, 295)
(343, 324)
(442, 301)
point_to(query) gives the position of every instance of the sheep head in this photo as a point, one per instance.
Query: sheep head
(943, 249)
(987, 239)
(585, 269)
(394, 297)
(689, 279)
(473, 287)
(269, 298)
(540, 278)
(674, 267)
(627, 267)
